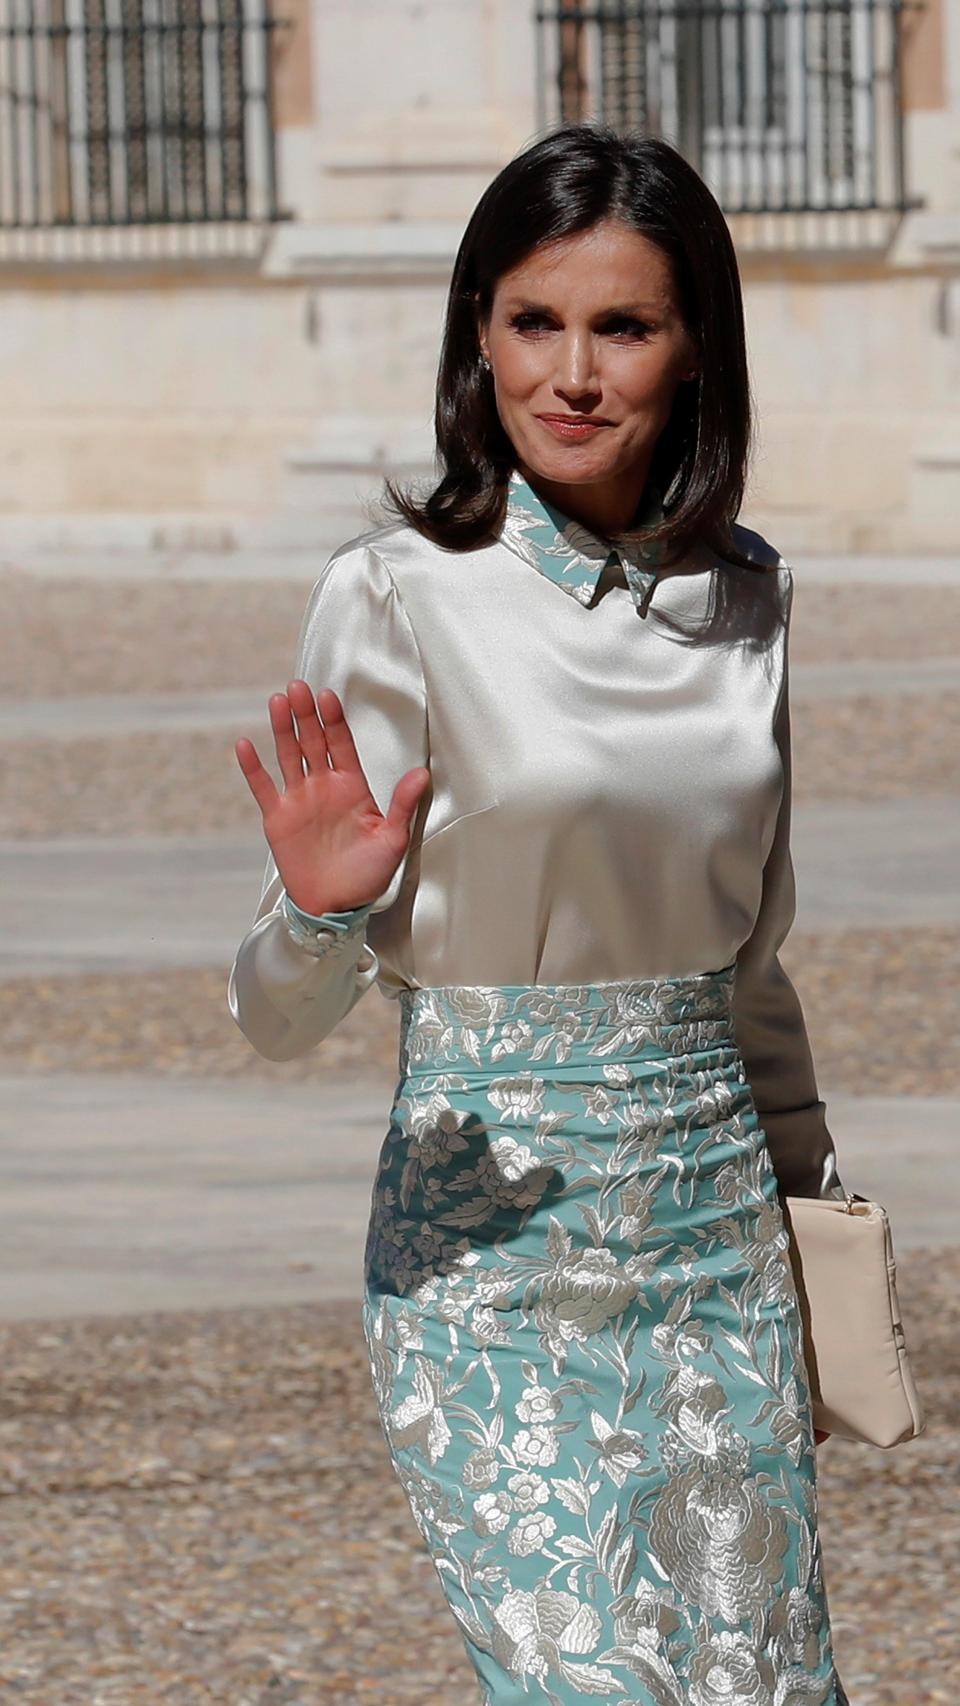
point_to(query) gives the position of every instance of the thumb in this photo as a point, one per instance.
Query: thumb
(406, 797)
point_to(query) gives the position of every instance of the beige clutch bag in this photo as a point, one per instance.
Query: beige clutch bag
(860, 1378)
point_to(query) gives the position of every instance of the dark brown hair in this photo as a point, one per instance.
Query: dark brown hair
(565, 182)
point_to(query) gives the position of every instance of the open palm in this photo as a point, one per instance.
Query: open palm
(333, 847)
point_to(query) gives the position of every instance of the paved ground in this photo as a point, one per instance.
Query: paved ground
(198, 1503)
(198, 1508)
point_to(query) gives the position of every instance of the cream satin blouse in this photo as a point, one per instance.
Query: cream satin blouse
(609, 749)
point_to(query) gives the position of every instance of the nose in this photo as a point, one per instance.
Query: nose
(576, 364)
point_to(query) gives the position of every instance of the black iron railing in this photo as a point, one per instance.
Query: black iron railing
(782, 105)
(133, 112)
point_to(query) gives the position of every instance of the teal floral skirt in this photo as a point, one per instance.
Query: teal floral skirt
(586, 1348)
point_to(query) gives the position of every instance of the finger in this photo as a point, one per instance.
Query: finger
(313, 742)
(340, 742)
(406, 798)
(260, 782)
(289, 756)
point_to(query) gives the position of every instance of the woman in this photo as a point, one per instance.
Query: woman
(545, 804)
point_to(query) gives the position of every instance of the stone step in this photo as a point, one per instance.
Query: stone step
(129, 1193)
(89, 903)
(116, 547)
(98, 715)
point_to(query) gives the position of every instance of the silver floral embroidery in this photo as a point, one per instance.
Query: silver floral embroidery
(586, 1347)
(569, 554)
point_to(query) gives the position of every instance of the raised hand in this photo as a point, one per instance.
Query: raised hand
(334, 849)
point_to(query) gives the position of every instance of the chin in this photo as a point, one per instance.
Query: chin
(574, 472)
(568, 462)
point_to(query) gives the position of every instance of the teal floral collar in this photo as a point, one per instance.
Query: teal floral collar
(573, 557)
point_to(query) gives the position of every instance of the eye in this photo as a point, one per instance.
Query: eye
(621, 323)
(625, 323)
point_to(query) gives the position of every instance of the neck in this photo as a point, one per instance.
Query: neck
(603, 506)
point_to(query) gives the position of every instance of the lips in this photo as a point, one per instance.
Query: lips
(568, 427)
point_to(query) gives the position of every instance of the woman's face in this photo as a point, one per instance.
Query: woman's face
(589, 326)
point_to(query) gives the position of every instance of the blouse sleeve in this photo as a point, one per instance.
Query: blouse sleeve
(294, 978)
(771, 1032)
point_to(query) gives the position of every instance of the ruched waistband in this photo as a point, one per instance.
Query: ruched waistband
(498, 1025)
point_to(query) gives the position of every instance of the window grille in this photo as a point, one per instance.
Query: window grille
(782, 105)
(134, 112)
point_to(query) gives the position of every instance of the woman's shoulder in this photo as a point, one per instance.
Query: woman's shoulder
(387, 549)
(754, 590)
(373, 542)
(393, 562)
(759, 549)
(766, 578)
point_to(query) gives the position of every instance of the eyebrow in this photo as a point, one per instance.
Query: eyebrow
(529, 306)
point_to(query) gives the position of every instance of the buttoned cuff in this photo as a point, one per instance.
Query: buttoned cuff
(322, 933)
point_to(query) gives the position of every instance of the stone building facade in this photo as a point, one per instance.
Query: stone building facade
(227, 229)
